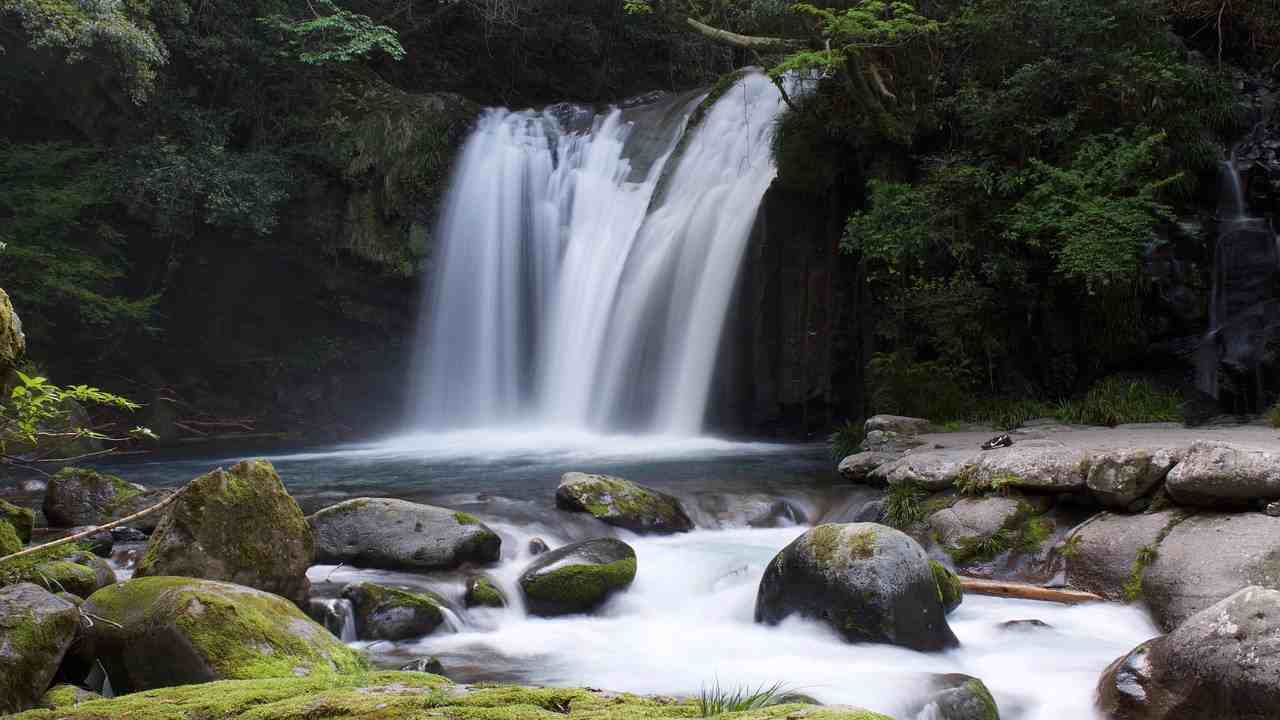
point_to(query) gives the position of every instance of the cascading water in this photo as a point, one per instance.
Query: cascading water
(587, 267)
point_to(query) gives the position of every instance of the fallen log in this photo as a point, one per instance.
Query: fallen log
(1024, 591)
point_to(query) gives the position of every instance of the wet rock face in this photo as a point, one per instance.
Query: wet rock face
(622, 503)
(401, 535)
(239, 525)
(1223, 662)
(869, 582)
(36, 629)
(578, 578)
(387, 613)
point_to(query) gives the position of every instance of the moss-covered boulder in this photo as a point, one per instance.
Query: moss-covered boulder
(482, 592)
(80, 496)
(22, 519)
(65, 696)
(160, 631)
(578, 578)
(36, 628)
(13, 344)
(406, 696)
(387, 613)
(10, 543)
(401, 535)
(869, 582)
(622, 503)
(239, 525)
(949, 587)
(955, 697)
(66, 568)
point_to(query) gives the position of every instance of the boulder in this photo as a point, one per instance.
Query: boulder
(1206, 558)
(858, 467)
(1042, 465)
(896, 423)
(397, 534)
(238, 525)
(1216, 474)
(955, 697)
(622, 503)
(972, 520)
(578, 578)
(482, 592)
(888, 441)
(387, 613)
(80, 496)
(64, 696)
(1101, 554)
(36, 629)
(930, 469)
(22, 519)
(869, 582)
(10, 543)
(537, 546)
(1223, 662)
(13, 344)
(950, 590)
(158, 631)
(1117, 478)
(62, 569)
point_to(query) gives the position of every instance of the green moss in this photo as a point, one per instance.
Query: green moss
(982, 548)
(465, 519)
(950, 590)
(9, 542)
(1033, 534)
(24, 568)
(1069, 547)
(580, 587)
(65, 696)
(609, 498)
(22, 519)
(1132, 588)
(862, 545)
(402, 696)
(370, 598)
(32, 650)
(990, 711)
(64, 576)
(481, 592)
(902, 505)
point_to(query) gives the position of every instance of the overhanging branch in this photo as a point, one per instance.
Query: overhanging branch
(746, 42)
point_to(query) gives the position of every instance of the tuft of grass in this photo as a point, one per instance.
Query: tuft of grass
(718, 700)
(1273, 416)
(1132, 589)
(1117, 401)
(903, 505)
(981, 549)
(845, 440)
(1069, 547)
(1034, 532)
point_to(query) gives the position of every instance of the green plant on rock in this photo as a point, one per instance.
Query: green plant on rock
(903, 504)
(845, 440)
(1132, 588)
(718, 700)
(1033, 534)
(33, 421)
(979, 549)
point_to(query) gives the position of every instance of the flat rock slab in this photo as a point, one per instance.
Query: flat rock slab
(1219, 474)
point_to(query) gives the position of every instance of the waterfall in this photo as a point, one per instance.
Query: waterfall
(588, 261)
(337, 615)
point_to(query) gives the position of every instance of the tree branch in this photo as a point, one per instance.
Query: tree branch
(95, 530)
(747, 42)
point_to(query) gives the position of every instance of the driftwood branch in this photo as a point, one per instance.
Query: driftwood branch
(746, 42)
(1023, 591)
(95, 530)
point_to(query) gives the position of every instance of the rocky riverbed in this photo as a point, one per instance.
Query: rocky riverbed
(746, 566)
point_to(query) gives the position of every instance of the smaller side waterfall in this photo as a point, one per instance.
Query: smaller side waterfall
(337, 615)
(1244, 307)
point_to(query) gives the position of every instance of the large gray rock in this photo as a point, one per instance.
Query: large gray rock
(888, 441)
(858, 467)
(1043, 465)
(36, 629)
(971, 520)
(80, 496)
(397, 534)
(1223, 662)
(869, 582)
(578, 578)
(896, 423)
(1215, 474)
(930, 469)
(387, 613)
(955, 697)
(238, 525)
(1205, 558)
(622, 503)
(1119, 477)
(161, 631)
(1100, 555)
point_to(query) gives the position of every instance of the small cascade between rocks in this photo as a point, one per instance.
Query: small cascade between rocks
(1244, 302)
(337, 615)
(588, 262)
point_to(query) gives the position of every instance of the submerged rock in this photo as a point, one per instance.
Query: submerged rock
(425, 665)
(157, 631)
(537, 546)
(578, 578)
(955, 697)
(387, 613)
(238, 525)
(1216, 474)
(80, 496)
(397, 534)
(622, 503)
(869, 582)
(1223, 662)
(482, 592)
(22, 519)
(36, 629)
